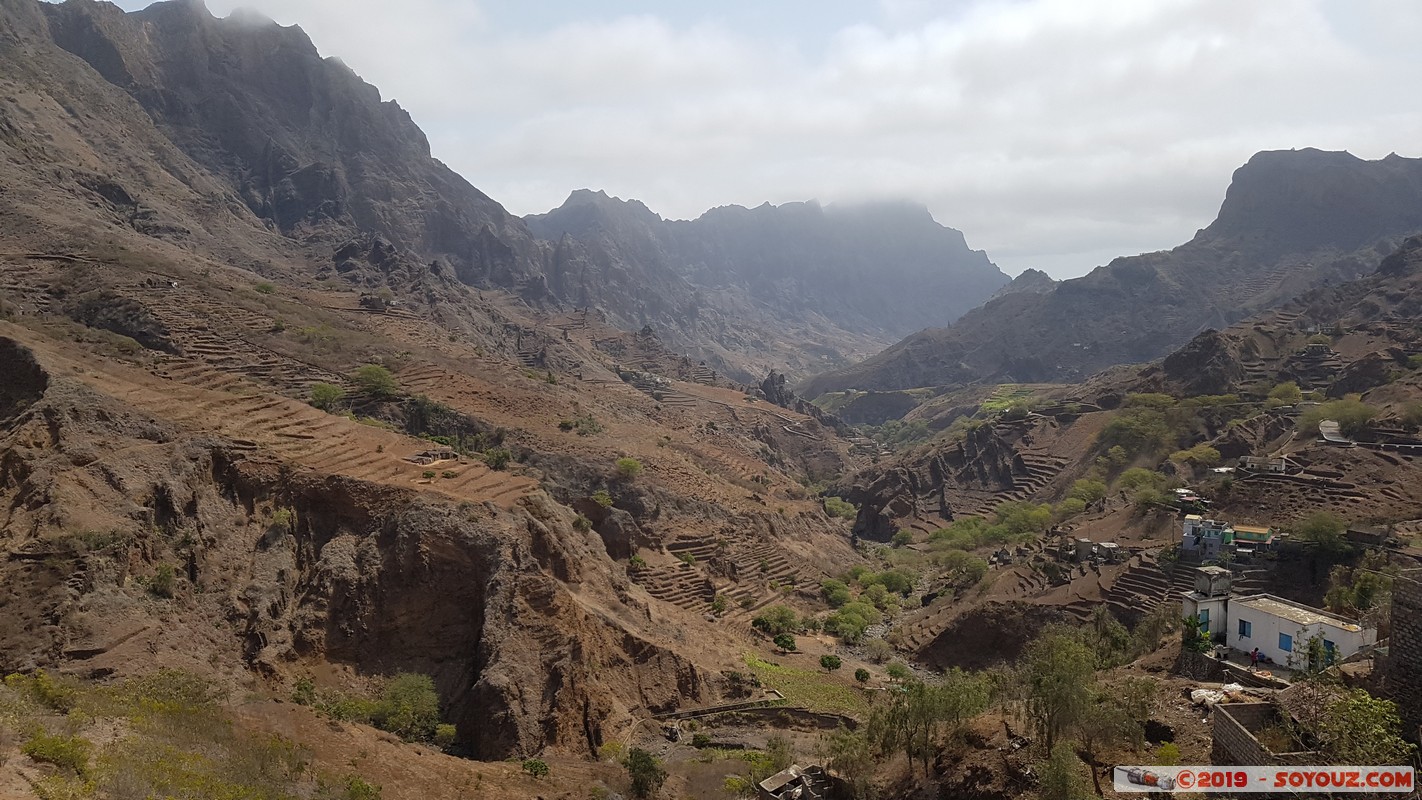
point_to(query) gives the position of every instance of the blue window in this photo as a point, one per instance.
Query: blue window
(1245, 628)
(1204, 619)
(1286, 643)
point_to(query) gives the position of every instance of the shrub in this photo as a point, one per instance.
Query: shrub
(66, 752)
(376, 381)
(629, 468)
(851, 621)
(304, 692)
(1285, 394)
(836, 593)
(325, 396)
(497, 458)
(535, 767)
(637, 562)
(445, 735)
(878, 651)
(1201, 455)
(265, 288)
(719, 604)
(1137, 431)
(602, 498)
(838, 507)
(902, 538)
(645, 772)
(831, 663)
(861, 675)
(700, 740)
(898, 671)
(582, 523)
(428, 474)
(1167, 755)
(162, 582)
(55, 694)
(358, 789)
(1352, 415)
(409, 708)
(785, 642)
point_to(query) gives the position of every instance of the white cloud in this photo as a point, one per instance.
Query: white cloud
(1055, 133)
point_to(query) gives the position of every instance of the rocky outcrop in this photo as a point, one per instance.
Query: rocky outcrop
(1291, 220)
(1209, 364)
(523, 620)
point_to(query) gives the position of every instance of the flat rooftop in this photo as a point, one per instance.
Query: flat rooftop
(1293, 612)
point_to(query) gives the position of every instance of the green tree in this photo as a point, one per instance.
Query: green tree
(497, 458)
(645, 772)
(861, 675)
(629, 468)
(1114, 717)
(409, 707)
(1057, 674)
(786, 642)
(1061, 776)
(898, 671)
(836, 593)
(916, 719)
(376, 381)
(850, 755)
(1087, 491)
(1285, 394)
(1362, 729)
(902, 538)
(830, 663)
(326, 396)
(778, 753)
(776, 620)
(535, 767)
(1325, 530)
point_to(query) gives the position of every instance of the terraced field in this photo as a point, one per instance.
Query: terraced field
(234, 408)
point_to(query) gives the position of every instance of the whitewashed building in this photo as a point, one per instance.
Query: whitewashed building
(1281, 630)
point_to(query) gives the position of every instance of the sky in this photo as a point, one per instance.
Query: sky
(1055, 134)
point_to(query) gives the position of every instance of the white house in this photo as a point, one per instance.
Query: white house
(1281, 630)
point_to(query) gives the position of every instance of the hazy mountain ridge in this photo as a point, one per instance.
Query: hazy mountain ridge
(276, 139)
(1291, 220)
(876, 270)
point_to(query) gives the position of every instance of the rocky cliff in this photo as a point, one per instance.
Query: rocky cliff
(1291, 220)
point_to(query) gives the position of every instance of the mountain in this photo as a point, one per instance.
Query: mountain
(1290, 220)
(286, 402)
(251, 120)
(805, 284)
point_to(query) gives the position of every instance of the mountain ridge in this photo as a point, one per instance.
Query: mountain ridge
(1228, 270)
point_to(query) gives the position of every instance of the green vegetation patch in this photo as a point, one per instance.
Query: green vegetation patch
(809, 688)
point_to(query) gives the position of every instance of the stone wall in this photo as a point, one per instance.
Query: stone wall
(1235, 744)
(1403, 676)
(1199, 666)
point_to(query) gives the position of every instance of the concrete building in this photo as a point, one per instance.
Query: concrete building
(797, 783)
(1209, 600)
(1208, 539)
(1281, 630)
(1204, 538)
